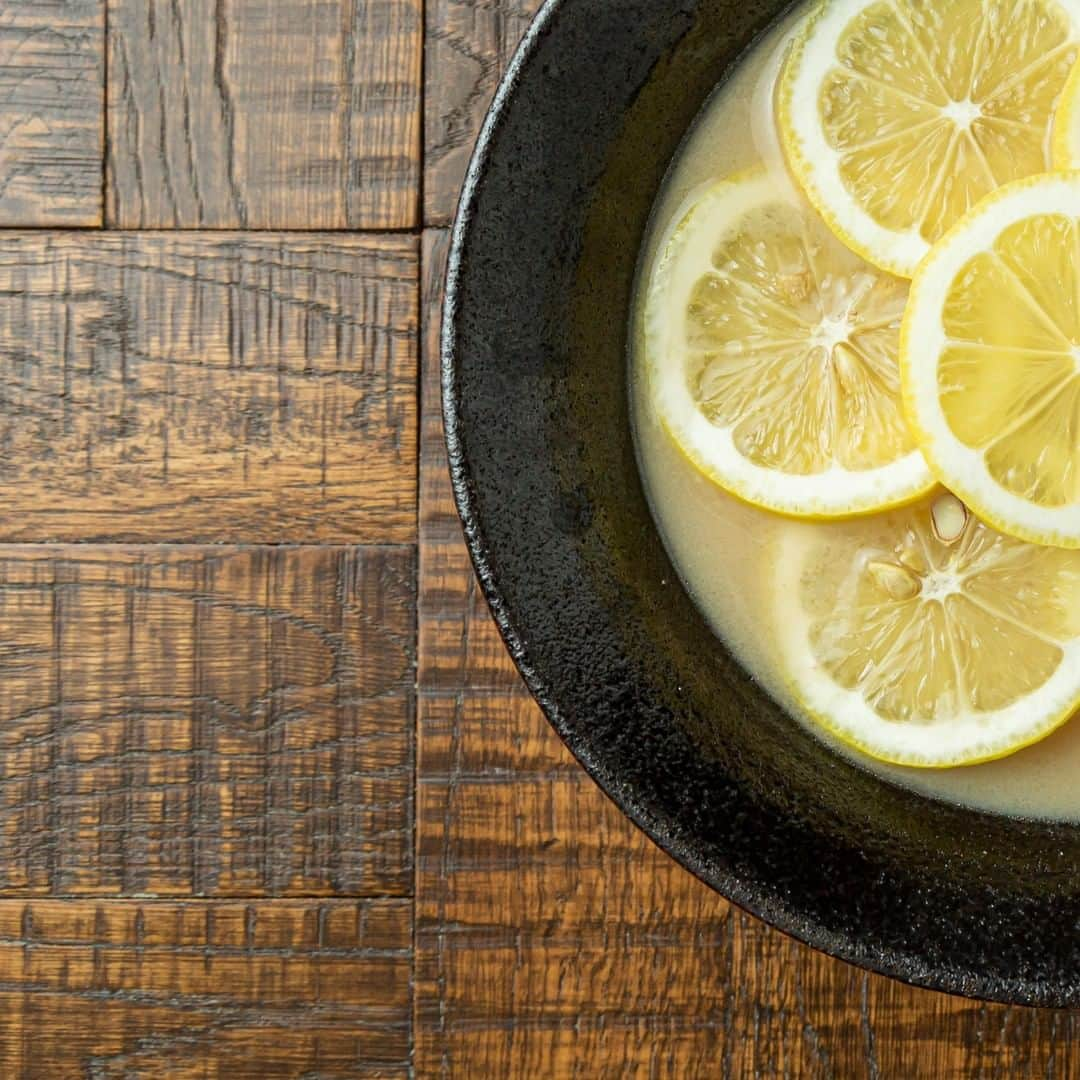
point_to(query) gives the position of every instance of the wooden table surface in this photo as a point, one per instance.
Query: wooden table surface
(273, 802)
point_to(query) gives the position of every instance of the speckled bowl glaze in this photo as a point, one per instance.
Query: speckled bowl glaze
(672, 728)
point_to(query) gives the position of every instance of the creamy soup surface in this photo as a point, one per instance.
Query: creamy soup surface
(735, 132)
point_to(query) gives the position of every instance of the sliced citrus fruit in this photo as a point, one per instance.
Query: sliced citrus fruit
(990, 359)
(771, 354)
(1067, 123)
(897, 116)
(929, 642)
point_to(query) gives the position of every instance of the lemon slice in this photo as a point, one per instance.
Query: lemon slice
(929, 646)
(898, 115)
(771, 357)
(1067, 123)
(990, 359)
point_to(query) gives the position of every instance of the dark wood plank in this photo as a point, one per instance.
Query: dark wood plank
(296, 114)
(218, 387)
(141, 990)
(52, 108)
(469, 43)
(207, 721)
(553, 939)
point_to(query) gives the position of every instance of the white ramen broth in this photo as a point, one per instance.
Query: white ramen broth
(721, 546)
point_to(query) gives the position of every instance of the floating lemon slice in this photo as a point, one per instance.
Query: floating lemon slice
(771, 354)
(897, 116)
(990, 358)
(923, 637)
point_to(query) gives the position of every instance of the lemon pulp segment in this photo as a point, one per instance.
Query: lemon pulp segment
(1066, 145)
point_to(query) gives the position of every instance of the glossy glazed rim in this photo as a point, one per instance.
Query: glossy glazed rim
(753, 896)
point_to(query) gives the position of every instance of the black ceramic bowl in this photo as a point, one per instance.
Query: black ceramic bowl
(675, 731)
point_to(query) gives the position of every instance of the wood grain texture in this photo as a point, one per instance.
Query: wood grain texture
(207, 721)
(469, 43)
(295, 114)
(143, 990)
(52, 107)
(218, 387)
(553, 939)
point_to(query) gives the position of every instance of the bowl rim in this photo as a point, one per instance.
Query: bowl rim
(751, 896)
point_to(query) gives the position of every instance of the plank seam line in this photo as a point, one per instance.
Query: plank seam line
(411, 230)
(184, 899)
(104, 116)
(209, 546)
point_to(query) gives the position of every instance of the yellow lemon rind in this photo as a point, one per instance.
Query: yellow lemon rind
(901, 494)
(977, 756)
